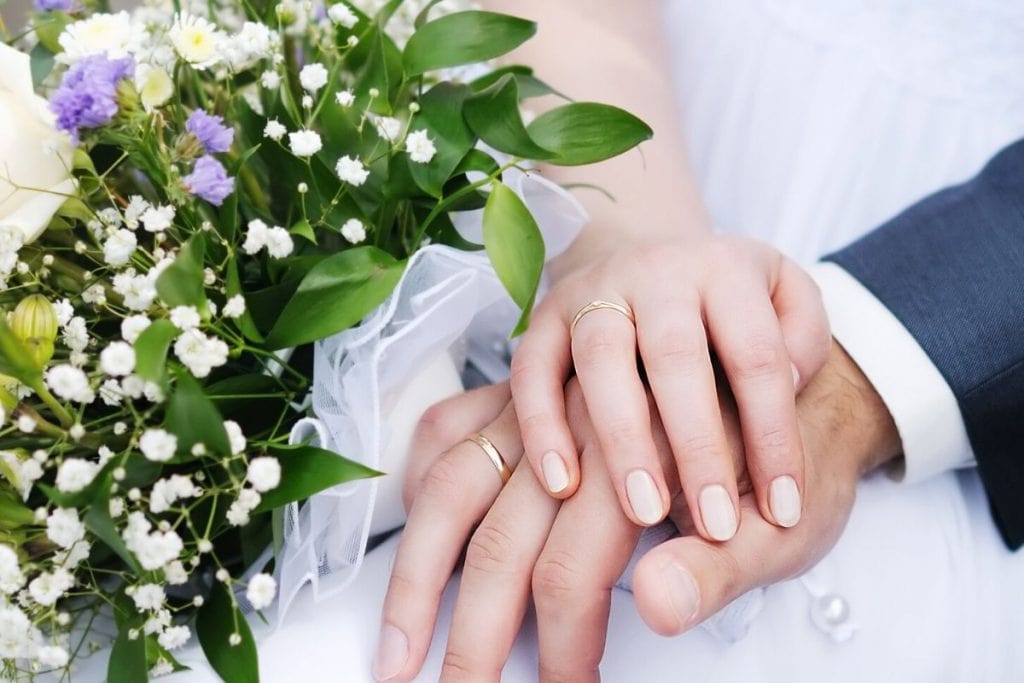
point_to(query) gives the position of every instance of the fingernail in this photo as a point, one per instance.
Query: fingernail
(682, 593)
(392, 653)
(796, 375)
(718, 513)
(555, 475)
(643, 497)
(784, 501)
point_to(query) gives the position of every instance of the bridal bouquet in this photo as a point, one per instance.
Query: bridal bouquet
(189, 196)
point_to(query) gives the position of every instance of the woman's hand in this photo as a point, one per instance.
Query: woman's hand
(681, 304)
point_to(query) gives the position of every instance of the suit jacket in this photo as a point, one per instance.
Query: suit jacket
(951, 269)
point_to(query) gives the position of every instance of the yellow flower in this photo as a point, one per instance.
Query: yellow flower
(196, 40)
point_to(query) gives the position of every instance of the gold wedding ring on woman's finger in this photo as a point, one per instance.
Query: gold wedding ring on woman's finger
(597, 305)
(494, 455)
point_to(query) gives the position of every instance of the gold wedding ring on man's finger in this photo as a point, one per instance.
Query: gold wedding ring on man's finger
(597, 305)
(494, 455)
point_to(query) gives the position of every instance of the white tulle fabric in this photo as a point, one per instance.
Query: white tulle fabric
(448, 303)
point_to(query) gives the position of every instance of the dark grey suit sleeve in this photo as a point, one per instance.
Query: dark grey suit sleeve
(951, 269)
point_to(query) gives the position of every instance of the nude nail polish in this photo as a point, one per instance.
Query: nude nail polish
(392, 653)
(556, 476)
(644, 497)
(784, 501)
(717, 512)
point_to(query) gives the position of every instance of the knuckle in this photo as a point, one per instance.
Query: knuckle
(759, 357)
(622, 434)
(594, 345)
(698, 445)
(535, 427)
(457, 666)
(443, 482)
(773, 444)
(557, 575)
(438, 429)
(676, 348)
(729, 571)
(492, 549)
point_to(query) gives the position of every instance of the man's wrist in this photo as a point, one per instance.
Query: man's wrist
(843, 402)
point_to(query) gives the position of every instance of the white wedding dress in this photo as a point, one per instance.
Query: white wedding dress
(809, 122)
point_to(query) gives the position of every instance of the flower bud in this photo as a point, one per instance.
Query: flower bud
(34, 321)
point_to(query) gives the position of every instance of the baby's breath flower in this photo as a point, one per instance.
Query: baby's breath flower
(420, 147)
(351, 171)
(234, 307)
(345, 98)
(261, 591)
(118, 359)
(389, 128)
(313, 77)
(341, 14)
(264, 473)
(270, 80)
(304, 143)
(353, 230)
(185, 317)
(158, 445)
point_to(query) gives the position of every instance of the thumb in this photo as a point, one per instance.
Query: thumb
(682, 582)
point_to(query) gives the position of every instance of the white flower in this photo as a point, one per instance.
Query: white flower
(74, 474)
(196, 40)
(48, 587)
(149, 596)
(17, 634)
(238, 511)
(261, 591)
(200, 353)
(158, 445)
(11, 576)
(352, 171)
(235, 436)
(36, 177)
(167, 492)
(174, 637)
(307, 101)
(420, 147)
(274, 130)
(73, 556)
(138, 291)
(70, 383)
(313, 77)
(52, 656)
(234, 307)
(161, 668)
(26, 424)
(96, 294)
(118, 359)
(63, 526)
(353, 230)
(64, 311)
(270, 80)
(157, 218)
(175, 573)
(153, 550)
(154, 85)
(389, 128)
(253, 43)
(109, 34)
(133, 326)
(341, 14)
(279, 242)
(345, 98)
(158, 622)
(264, 473)
(185, 317)
(133, 212)
(304, 143)
(75, 334)
(255, 236)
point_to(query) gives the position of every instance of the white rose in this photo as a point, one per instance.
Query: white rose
(35, 154)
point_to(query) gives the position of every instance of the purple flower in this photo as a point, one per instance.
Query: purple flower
(211, 131)
(87, 96)
(50, 5)
(209, 180)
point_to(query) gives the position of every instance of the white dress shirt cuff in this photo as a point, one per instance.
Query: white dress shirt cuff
(922, 404)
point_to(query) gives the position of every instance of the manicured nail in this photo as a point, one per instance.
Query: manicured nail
(796, 375)
(718, 513)
(784, 501)
(392, 653)
(643, 497)
(555, 475)
(682, 593)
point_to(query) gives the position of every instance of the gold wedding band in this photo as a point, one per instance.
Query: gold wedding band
(504, 471)
(597, 305)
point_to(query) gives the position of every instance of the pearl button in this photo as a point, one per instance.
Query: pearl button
(830, 612)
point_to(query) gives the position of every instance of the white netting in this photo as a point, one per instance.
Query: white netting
(448, 303)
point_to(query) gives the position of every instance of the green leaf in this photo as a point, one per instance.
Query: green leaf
(128, 659)
(245, 322)
(181, 283)
(99, 522)
(41, 60)
(16, 359)
(13, 513)
(194, 418)
(493, 114)
(515, 247)
(424, 14)
(587, 132)
(306, 470)
(151, 350)
(529, 85)
(49, 28)
(382, 70)
(464, 38)
(335, 295)
(303, 229)
(218, 618)
(441, 116)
